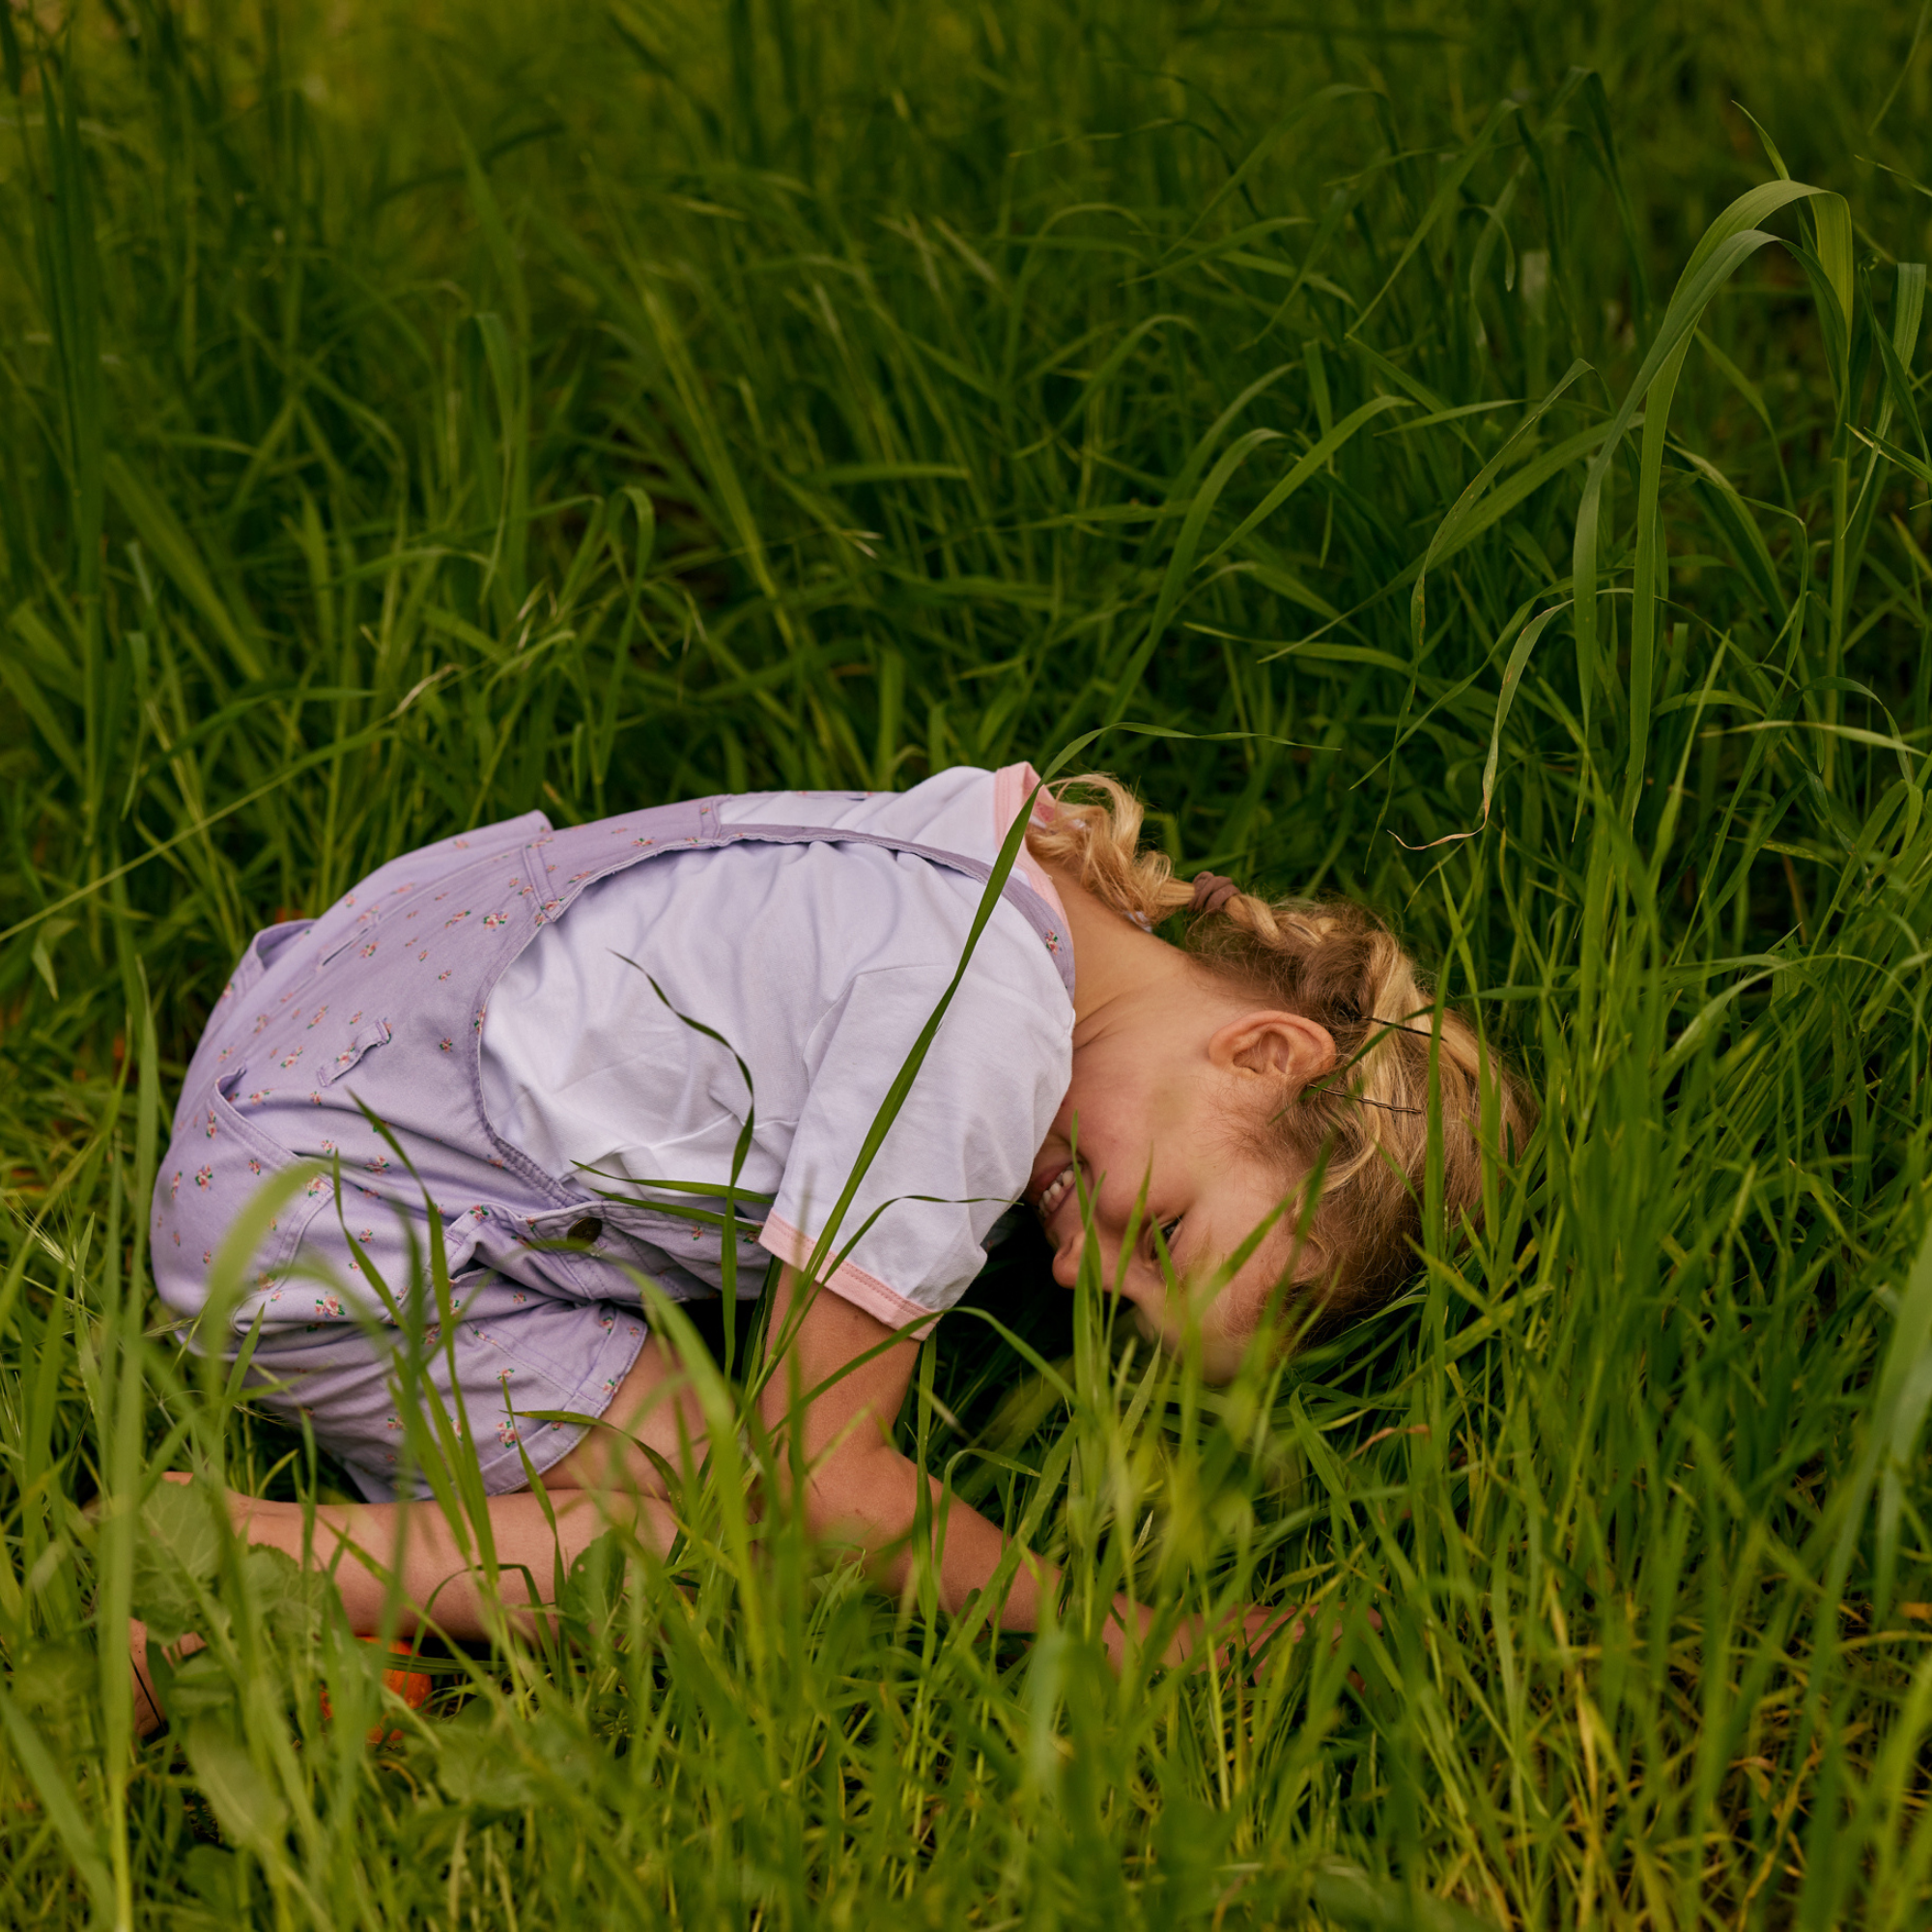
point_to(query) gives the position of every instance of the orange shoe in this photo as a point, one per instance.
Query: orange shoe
(410, 1686)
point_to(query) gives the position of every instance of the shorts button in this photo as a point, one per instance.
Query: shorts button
(587, 1229)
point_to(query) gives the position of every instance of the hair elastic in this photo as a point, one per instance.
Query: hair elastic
(1211, 893)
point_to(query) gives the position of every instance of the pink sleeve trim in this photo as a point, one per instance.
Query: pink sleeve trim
(850, 1284)
(1011, 785)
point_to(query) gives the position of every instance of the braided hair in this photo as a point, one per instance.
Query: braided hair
(1332, 961)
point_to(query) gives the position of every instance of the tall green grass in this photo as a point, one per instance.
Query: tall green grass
(1392, 426)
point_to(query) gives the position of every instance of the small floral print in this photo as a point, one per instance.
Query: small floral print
(506, 1434)
(175, 1186)
(461, 844)
(354, 1016)
(349, 900)
(260, 1095)
(643, 841)
(445, 1045)
(314, 1187)
(577, 878)
(314, 1098)
(320, 1015)
(354, 1267)
(606, 1321)
(224, 1053)
(178, 1239)
(327, 1307)
(477, 1024)
(1053, 942)
(503, 1378)
(291, 1059)
(369, 951)
(425, 954)
(225, 991)
(369, 1191)
(493, 920)
(329, 1147)
(455, 919)
(393, 1423)
(366, 1235)
(206, 1256)
(440, 977)
(378, 1164)
(518, 1297)
(344, 1059)
(211, 1126)
(495, 1159)
(202, 1177)
(254, 1165)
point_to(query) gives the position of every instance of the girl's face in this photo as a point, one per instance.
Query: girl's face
(1166, 1095)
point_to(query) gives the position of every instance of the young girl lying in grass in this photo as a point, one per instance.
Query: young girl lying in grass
(658, 1046)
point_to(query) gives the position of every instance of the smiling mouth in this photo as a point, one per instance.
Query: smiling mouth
(1054, 1191)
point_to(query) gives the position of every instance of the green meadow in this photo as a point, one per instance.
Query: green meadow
(1468, 455)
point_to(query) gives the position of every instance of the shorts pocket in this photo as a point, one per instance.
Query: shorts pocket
(370, 1032)
(218, 1162)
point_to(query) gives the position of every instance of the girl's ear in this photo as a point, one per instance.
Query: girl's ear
(1281, 1047)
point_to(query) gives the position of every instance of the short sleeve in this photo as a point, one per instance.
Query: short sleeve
(958, 1153)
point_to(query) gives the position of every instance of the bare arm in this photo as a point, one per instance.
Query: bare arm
(858, 1485)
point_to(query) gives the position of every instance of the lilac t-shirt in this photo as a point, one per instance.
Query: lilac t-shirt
(818, 965)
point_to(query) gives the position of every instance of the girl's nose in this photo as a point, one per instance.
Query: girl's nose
(1067, 1258)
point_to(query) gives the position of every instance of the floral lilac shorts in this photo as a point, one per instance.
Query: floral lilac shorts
(382, 1400)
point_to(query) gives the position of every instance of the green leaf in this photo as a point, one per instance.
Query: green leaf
(479, 1767)
(175, 1560)
(246, 1805)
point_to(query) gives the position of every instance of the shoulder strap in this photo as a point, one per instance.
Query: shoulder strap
(579, 855)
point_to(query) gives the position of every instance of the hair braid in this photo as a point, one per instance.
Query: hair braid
(1334, 962)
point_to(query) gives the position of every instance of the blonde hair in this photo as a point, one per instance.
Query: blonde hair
(1334, 962)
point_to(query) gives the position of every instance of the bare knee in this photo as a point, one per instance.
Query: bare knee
(654, 1425)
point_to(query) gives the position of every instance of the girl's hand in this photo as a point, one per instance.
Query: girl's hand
(1249, 1633)
(1261, 1626)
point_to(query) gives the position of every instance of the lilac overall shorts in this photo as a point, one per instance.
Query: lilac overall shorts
(377, 1010)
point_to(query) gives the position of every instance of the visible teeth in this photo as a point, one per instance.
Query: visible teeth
(1054, 1191)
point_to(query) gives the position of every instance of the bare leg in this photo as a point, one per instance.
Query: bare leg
(441, 1580)
(606, 1480)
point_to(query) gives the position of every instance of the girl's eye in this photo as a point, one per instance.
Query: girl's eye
(1168, 1230)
